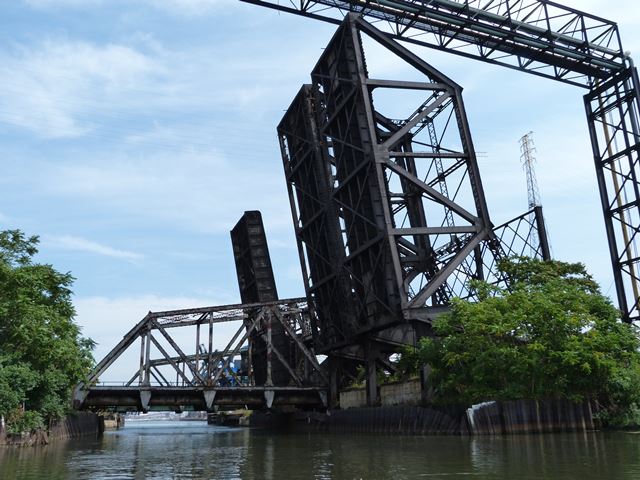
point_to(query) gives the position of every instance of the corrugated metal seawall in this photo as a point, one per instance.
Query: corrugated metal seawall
(490, 418)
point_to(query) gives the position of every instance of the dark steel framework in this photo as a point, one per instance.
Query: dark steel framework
(390, 214)
(257, 284)
(267, 361)
(546, 39)
(253, 263)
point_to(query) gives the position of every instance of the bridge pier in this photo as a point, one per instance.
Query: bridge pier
(371, 352)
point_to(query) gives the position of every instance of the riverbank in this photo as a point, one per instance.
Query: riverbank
(74, 425)
(489, 418)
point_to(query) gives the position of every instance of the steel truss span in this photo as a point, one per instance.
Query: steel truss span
(390, 214)
(546, 39)
(541, 37)
(169, 376)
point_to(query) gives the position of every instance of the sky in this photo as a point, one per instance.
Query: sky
(133, 135)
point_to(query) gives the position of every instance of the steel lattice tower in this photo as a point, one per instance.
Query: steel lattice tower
(527, 157)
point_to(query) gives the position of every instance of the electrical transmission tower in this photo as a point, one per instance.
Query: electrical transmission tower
(527, 157)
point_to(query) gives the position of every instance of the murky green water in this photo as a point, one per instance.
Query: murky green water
(193, 450)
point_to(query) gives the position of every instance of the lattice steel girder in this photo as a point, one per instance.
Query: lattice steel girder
(198, 398)
(537, 36)
(612, 112)
(379, 234)
(208, 368)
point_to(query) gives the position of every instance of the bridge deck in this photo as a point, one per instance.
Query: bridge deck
(200, 398)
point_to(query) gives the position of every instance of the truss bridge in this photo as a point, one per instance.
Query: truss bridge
(170, 379)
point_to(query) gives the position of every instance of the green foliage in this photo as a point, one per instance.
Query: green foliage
(16, 380)
(553, 334)
(24, 421)
(408, 364)
(42, 351)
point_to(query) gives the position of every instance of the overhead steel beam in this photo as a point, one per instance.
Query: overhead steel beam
(540, 37)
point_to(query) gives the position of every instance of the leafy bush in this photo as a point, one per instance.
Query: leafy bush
(551, 335)
(43, 352)
(20, 421)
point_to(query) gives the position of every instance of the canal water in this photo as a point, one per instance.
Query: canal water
(194, 450)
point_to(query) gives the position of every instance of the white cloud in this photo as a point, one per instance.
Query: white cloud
(182, 7)
(78, 244)
(200, 191)
(190, 7)
(58, 88)
(62, 3)
(61, 88)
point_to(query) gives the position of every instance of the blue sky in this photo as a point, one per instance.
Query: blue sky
(133, 135)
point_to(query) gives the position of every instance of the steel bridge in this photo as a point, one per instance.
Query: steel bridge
(268, 360)
(389, 213)
(546, 39)
(391, 223)
(210, 377)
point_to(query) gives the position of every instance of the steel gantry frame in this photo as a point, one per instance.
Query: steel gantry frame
(546, 39)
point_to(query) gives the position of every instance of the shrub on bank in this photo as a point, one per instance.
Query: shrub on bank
(552, 334)
(42, 352)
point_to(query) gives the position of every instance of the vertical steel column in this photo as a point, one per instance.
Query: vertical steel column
(142, 356)
(541, 230)
(197, 358)
(612, 112)
(269, 379)
(147, 359)
(210, 350)
(371, 373)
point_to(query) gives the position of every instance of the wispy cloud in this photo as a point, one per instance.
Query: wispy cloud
(181, 7)
(203, 191)
(79, 244)
(60, 88)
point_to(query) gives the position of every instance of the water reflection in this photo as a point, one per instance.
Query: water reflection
(193, 450)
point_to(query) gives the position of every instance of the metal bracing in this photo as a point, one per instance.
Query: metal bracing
(537, 36)
(165, 364)
(524, 235)
(390, 214)
(612, 112)
(542, 38)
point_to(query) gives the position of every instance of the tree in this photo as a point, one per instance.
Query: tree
(552, 334)
(42, 352)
